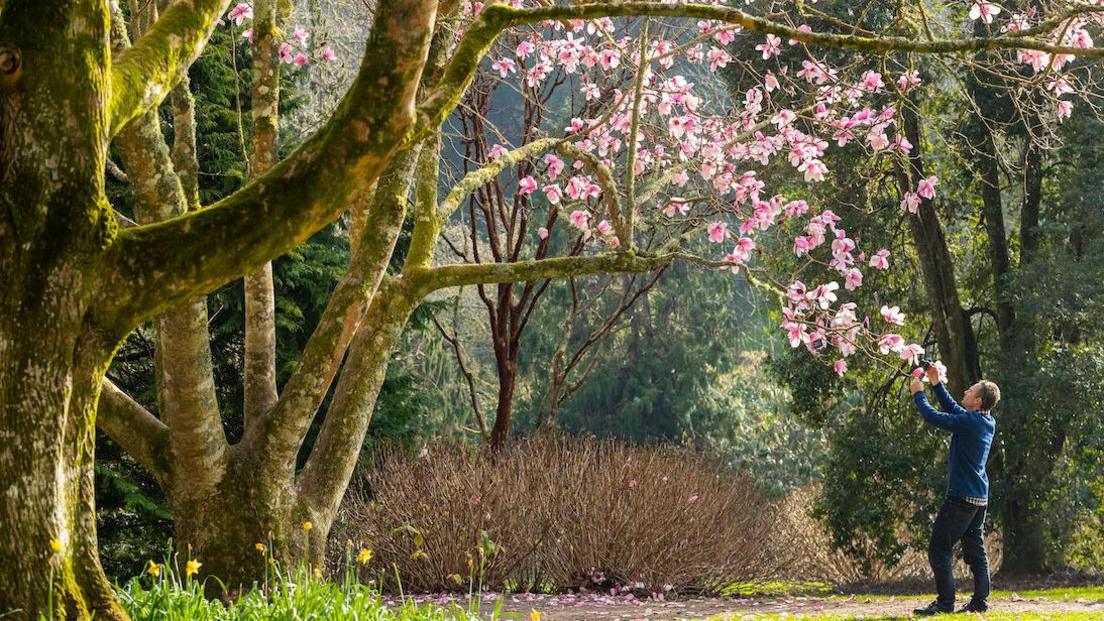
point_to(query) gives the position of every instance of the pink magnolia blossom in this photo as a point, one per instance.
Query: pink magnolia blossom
(1064, 109)
(852, 279)
(553, 192)
(537, 73)
(527, 185)
(504, 66)
(871, 81)
(609, 59)
(496, 151)
(880, 260)
(770, 82)
(285, 50)
(814, 170)
(840, 367)
(579, 219)
(824, 294)
(675, 206)
(911, 202)
(910, 353)
(718, 58)
(717, 231)
(240, 13)
(908, 81)
(328, 54)
(772, 46)
(555, 166)
(802, 245)
(301, 36)
(300, 59)
(891, 342)
(893, 314)
(926, 187)
(524, 49)
(542, 233)
(247, 34)
(603, 227)
(985, 11)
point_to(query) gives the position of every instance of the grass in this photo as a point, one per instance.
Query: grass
(294, 597)
(987, 617)
(1057, 593)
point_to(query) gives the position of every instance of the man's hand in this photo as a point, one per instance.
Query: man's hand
(933, 375)
(916, 385)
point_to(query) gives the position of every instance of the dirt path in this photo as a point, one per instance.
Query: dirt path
(576, 608)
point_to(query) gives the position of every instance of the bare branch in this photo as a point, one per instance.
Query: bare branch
(134, 428)
(454, 275)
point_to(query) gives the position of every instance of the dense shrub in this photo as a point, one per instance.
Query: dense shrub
(558, 513)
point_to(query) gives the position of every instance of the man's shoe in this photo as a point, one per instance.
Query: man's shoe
(975, 606)
(934, 608)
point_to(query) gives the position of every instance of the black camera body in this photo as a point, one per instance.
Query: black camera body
(926, 362)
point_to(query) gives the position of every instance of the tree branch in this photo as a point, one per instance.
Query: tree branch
(134, 428)
(198, 252)
(143, 75)
(441, 277)
(495, 18)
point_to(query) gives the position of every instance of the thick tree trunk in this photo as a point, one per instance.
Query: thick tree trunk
(54, 221)
(46, 454)
(1024, 531)
(952, 329)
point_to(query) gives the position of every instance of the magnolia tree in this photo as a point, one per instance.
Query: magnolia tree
(78, 280)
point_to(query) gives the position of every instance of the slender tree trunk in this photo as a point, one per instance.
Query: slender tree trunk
(507, 382)
(260, 295)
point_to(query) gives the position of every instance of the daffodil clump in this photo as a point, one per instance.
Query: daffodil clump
(174, 590)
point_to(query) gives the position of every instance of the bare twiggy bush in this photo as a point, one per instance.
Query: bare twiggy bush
(813, 557)
(563, 513)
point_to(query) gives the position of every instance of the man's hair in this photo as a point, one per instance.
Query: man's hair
(989, 394)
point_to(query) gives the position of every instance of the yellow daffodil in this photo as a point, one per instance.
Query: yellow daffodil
(364, 556)
(261, 548)
(307, 526)
(534, 615)
(55, 545)
(192, 568)
(153, 569)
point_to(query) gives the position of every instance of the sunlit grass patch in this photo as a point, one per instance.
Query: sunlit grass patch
(774, 588)
(992, 616)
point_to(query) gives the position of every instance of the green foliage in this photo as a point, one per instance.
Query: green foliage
(295, 596)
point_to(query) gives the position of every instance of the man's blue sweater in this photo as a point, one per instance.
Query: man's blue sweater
(972, 435)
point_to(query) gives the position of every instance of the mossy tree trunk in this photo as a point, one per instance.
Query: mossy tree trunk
(75, 284)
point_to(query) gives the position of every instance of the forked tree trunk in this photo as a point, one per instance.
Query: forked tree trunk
(49, 385)
(54, 221)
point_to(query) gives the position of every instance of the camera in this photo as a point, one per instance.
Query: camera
(925, 362)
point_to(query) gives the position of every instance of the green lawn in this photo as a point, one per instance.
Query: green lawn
(988, 617)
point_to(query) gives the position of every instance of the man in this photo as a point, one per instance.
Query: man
(963, 513)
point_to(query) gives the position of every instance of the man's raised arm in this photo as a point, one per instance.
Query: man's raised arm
(935, 418)
(946, 401)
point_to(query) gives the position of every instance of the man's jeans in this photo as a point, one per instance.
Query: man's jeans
(959, 520)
